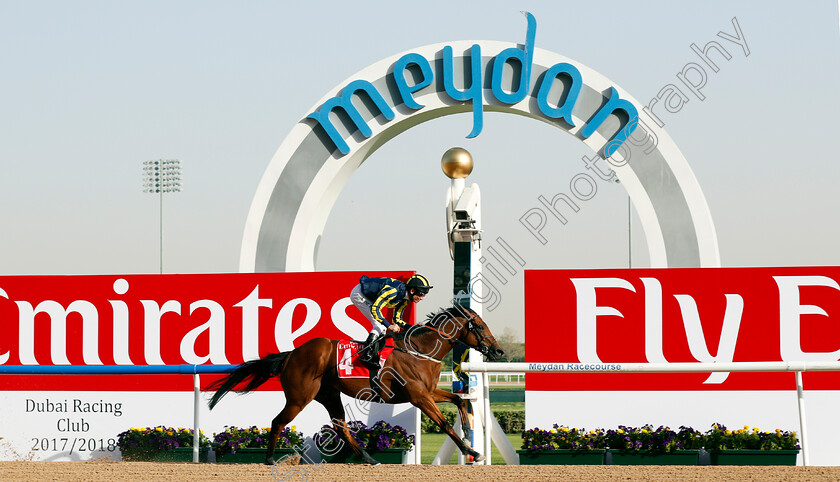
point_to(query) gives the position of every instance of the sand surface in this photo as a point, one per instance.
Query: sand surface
(92, 471)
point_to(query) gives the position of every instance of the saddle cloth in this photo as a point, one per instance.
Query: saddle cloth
(347, 358)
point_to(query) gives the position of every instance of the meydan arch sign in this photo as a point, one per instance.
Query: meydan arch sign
(317, 158)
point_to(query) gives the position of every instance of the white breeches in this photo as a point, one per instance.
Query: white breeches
(364, 305)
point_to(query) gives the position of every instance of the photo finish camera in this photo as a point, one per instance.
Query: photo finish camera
(463, 225)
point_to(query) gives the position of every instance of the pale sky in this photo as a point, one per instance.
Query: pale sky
(91, 89)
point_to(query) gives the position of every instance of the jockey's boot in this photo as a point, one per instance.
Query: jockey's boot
(370, 352)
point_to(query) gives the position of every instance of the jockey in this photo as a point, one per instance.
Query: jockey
(373, 294)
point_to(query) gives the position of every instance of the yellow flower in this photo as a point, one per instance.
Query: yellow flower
(620, 431)
(565, 429)
(755, 429)
(746, 427)
(294, 427)
(158, 429)
(553, 431)
(644, 430)
(729, 432)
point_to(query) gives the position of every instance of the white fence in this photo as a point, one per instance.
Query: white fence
(554, 367)
(495, 378)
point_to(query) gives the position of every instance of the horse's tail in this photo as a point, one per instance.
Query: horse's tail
(254, 372)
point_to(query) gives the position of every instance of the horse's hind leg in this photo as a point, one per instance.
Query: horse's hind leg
(331, 400)
(279, 422)
(297, 397)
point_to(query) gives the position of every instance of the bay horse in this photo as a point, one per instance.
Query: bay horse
(411, 374)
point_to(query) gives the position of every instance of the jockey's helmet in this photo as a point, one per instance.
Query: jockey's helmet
(419, 283)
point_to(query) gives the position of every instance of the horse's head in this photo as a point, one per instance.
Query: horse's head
(471, 330)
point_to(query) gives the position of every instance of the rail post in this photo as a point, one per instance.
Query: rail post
(196, 407)
(800, 396)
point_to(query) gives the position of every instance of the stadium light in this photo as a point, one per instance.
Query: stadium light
(159, 177)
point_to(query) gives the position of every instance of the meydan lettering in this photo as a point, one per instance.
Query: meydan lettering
(420, 69)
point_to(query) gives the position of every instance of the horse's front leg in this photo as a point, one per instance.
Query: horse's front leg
(444, 396)
(427, 405)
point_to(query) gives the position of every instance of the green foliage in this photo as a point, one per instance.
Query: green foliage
(446, 363)
(511, 421)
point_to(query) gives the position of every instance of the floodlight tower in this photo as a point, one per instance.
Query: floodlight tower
(159, 177)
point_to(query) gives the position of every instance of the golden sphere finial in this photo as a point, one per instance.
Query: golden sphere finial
(456, 163)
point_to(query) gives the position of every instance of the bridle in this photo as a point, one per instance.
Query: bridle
(477, 330)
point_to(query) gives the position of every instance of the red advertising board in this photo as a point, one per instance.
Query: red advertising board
(682, 315)
(212, 319)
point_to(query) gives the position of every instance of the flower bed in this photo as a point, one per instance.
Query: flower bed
(646, 445)
(154, 443)
(721, 438)
(751, 446)
(577, 439)
(384, 442)
(562, 446)
(249, 445)
(233, 439)
(663, 440)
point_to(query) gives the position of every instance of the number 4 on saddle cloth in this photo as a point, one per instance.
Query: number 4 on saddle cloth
(349, 364)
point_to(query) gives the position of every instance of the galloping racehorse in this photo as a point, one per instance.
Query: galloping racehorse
(411, 373)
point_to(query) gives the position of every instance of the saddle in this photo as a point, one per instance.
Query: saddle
(349, 365)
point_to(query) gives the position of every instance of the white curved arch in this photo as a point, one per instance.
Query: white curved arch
(306, 175)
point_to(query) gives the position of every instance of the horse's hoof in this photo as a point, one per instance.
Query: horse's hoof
(480, 458)
(269, 462)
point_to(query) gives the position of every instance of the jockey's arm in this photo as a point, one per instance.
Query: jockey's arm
(398, 313)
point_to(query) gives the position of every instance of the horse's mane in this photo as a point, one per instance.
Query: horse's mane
(455, 311)
(435, 318)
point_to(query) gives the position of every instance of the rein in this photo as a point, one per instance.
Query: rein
(472, 328)
(418, 354)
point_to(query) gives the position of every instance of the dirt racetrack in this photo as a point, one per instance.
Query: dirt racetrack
(94, 471)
